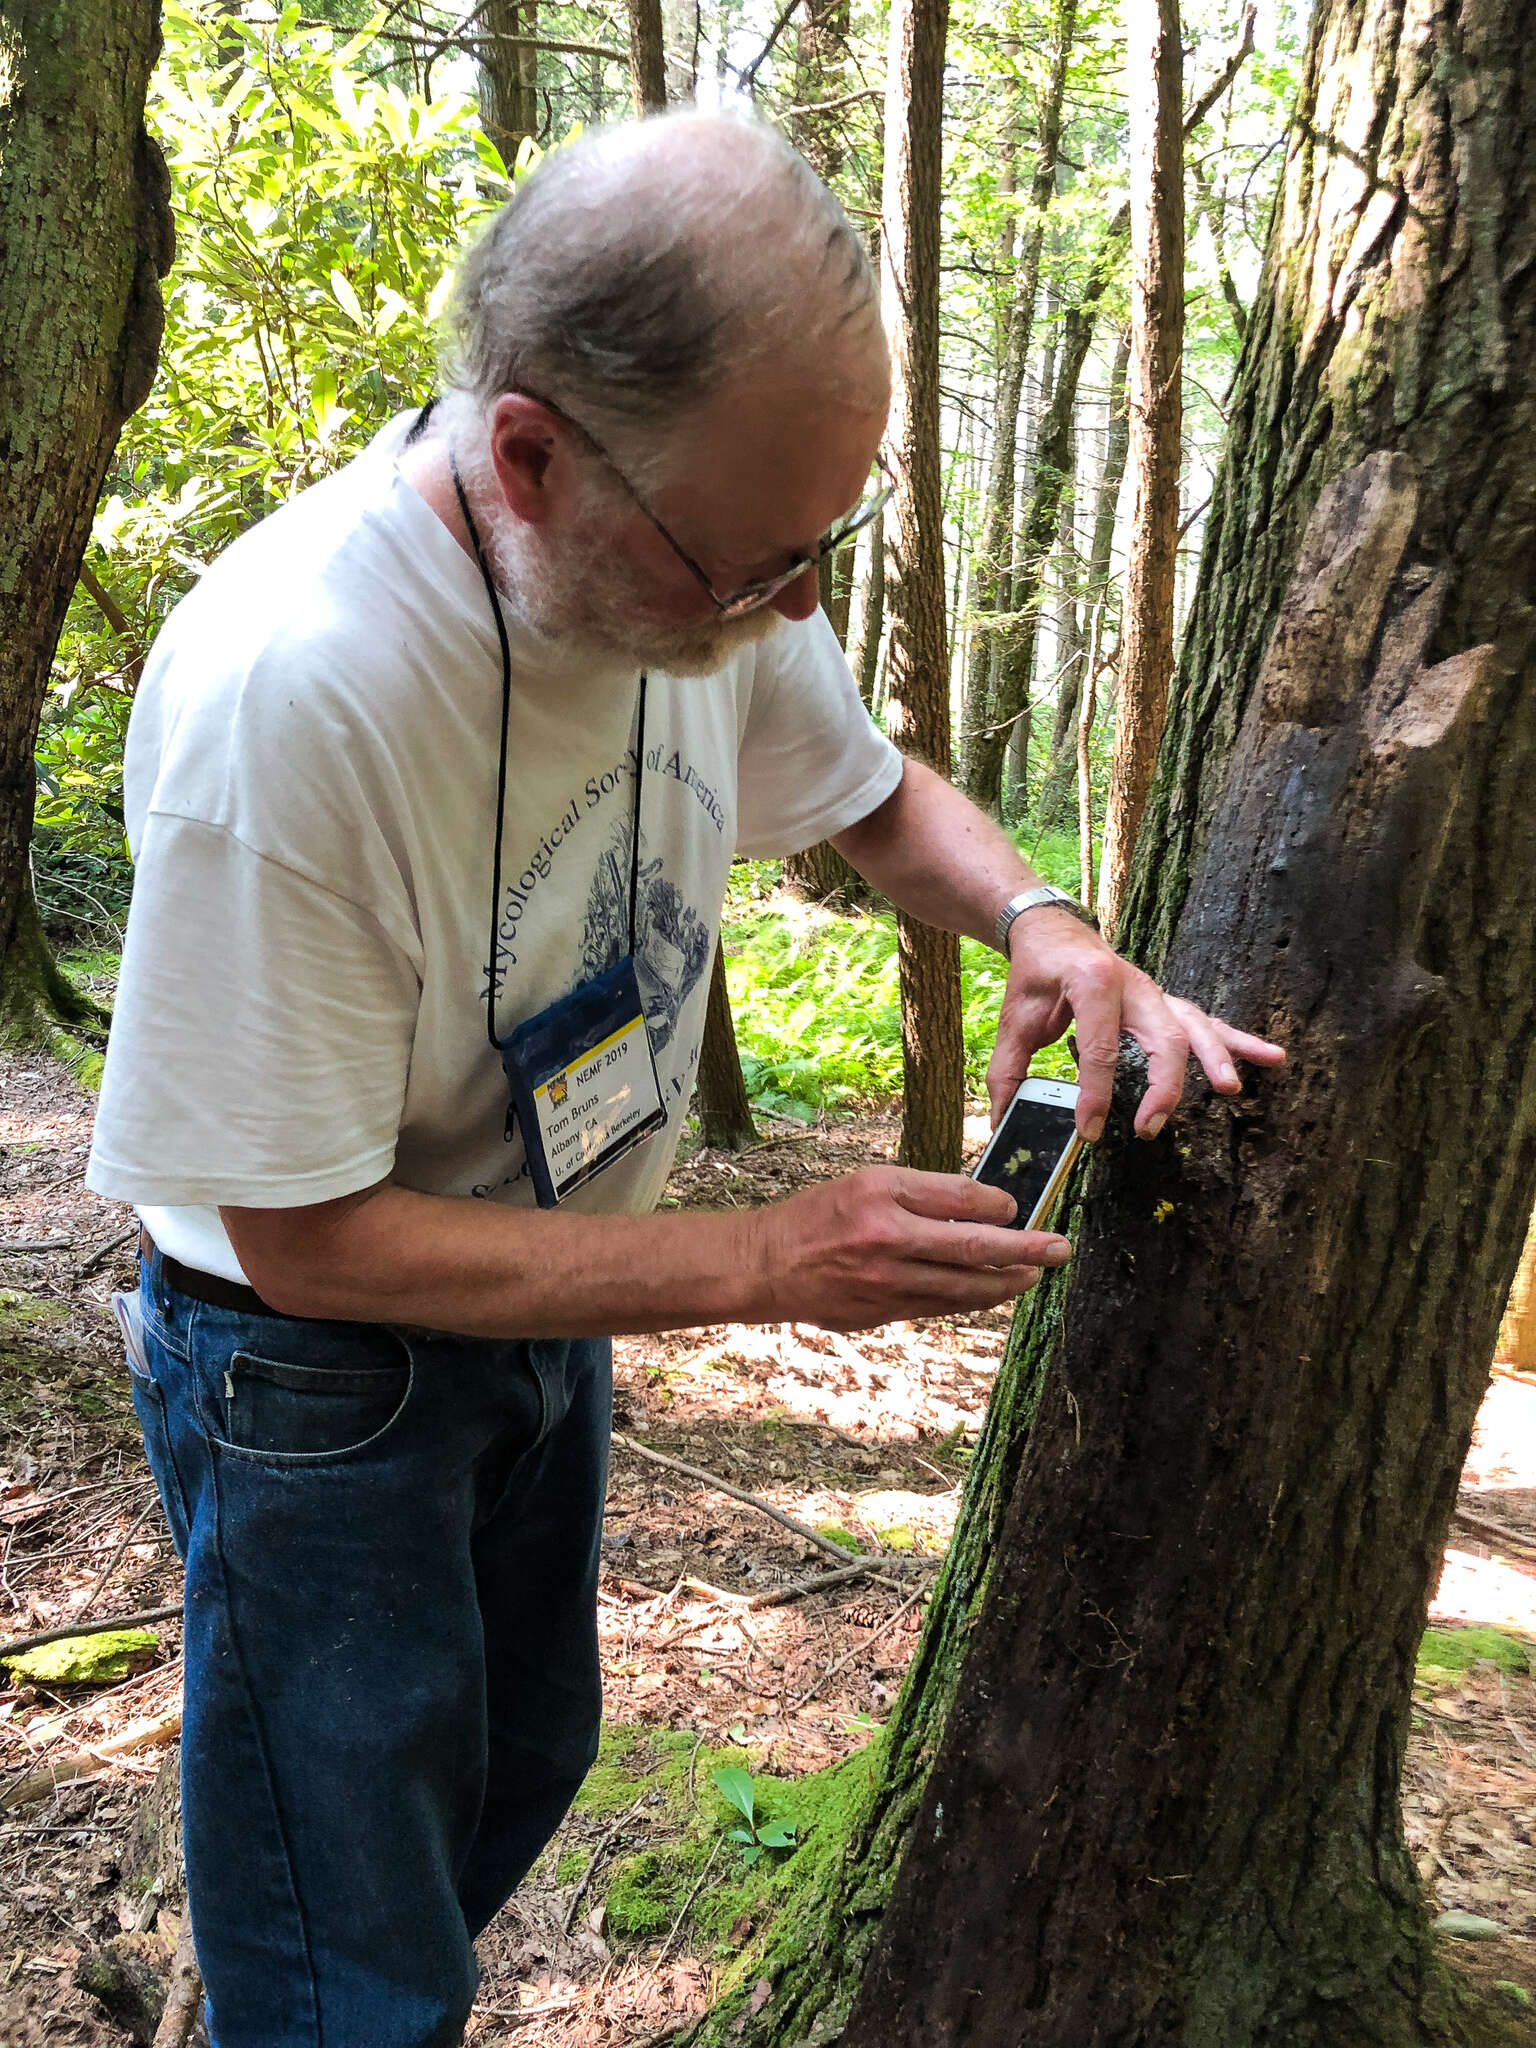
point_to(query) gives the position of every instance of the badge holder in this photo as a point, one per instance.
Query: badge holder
(581, 1073)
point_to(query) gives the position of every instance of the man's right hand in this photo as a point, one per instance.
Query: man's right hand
(889, 1243)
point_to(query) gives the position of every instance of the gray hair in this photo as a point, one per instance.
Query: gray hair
(642, 267)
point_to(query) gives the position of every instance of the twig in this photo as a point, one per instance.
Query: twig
(688, 1902)
(858, 1650)
(746, 78)
(112, 1562)
(105, 1249)
(185, 1998)
(818, 1581)
(143, 1735)
(595, 1858)
(40, 1244)
(1228, 72)
(88, 1628)
(751, 1500)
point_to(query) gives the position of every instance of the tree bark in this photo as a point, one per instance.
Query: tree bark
(647, 57)
(85, 236)
(933, 1046)
(991, 579)
(1146, 1770)
(509, 76)
(725, 1113)
(1156, 68)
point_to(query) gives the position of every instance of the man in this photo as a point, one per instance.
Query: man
(540, 660)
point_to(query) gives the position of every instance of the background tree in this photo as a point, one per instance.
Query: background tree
(933, 1100)
(1165, 1685)
(1155, 68)
(85, 237)
(509, 75)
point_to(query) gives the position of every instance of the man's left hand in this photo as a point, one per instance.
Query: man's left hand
(1062, 972)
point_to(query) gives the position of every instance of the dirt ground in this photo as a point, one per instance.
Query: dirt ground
(864, 1438)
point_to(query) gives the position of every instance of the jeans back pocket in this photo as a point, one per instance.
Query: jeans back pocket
(274, 1407)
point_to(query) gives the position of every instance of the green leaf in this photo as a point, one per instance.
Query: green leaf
(347, 298)
(776, 1834)
(85, 1660)
(735, 1786)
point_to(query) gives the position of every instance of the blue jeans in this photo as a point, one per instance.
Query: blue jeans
(392, 1689)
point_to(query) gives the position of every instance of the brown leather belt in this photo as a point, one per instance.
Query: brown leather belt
(209, 1287)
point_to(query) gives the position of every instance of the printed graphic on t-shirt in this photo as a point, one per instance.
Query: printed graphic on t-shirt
(672, 939)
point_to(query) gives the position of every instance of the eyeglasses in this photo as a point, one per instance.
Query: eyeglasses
(750, 597)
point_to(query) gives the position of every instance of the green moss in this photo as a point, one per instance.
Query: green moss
(86, 1660)
(570, 1866)
(1458, 1649)
(646, 1891)
(899, 1536)
(836, 1533)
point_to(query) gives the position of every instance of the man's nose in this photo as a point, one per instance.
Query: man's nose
(799, 599)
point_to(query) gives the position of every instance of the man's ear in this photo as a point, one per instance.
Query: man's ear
(525, 442)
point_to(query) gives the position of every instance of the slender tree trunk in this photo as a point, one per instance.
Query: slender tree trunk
(509, 76)
(1096, 590)
(647, 57)
(990, 584)
(866, 656)
(821, 53)
(725, 1113)
(1517, 1332)
(984, 777)
(85, 236)
(1146, 1770)
(1156, 67)
(933, 1046)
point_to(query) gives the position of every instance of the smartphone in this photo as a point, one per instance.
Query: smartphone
(1032, 1149)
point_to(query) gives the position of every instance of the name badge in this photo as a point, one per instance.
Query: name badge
(583, 1082)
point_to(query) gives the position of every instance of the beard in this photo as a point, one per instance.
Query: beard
(585, 597)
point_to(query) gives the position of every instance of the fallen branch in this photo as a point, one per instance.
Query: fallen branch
(40, 1244)
(819, 1581)
(1488, 1531)
(89, 1628)
(105, 1250)
(184, 2000)
(801, 1529)
(142, 1735)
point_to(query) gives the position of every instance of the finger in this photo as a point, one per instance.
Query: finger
(1022, 1029)
(953, 1197)
(1095, 998)
(982, 1244)
(950, 1292)
(1262, 1052)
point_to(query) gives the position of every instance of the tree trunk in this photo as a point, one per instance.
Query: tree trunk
(1517, 1332)
(1164, 1689)
(991, 580)
(933, 1045)
(725, 1114)
(865, 655)
(1156, 62)
(509, 76)
(647, 57)
(85, 236)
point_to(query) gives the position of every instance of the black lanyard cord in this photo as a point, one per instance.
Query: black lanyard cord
(501, 768)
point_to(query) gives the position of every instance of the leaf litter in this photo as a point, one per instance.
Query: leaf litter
(863, 1439)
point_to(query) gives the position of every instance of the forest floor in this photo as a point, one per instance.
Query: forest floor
(625, 1928)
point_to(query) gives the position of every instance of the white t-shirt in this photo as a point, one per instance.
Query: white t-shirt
(310, 784)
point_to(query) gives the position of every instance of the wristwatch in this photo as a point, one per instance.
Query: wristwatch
(1032, 899)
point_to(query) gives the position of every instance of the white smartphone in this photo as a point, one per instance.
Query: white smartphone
(1032, 1150)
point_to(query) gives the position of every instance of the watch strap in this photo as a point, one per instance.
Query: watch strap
(1037, 899)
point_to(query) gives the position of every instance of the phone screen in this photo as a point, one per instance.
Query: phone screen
(1024, 1150)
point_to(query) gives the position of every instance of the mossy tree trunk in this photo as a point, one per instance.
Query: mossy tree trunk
(85, 236)
(1143, 1785)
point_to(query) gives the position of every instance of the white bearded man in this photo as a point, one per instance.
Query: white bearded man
(433, 785)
